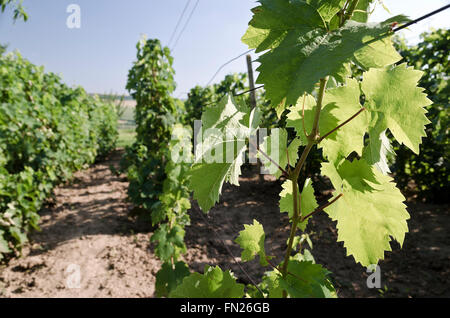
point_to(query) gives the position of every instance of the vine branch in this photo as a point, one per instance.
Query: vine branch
(321, 208)
(286, 174)
(311, 142)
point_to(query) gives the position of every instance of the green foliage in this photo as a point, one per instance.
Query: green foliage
(19, 10)
(370, 212)
(299, 40)
(214, 283)
(305, 280)
(220, 159)
(251, 240)
(47, 131)
(429, 168)
(396, 103)
(158, 162)
(311, 48)
(308, 201)
(275, 146)
(169, 277)
(199, 98)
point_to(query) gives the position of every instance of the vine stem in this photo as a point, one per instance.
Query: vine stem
(269, 158)
(351, 9)
(312, 140)
(321, 208)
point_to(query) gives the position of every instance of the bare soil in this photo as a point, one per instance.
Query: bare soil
(88, 228)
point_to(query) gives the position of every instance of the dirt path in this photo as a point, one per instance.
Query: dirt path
(87, 237)
(87, 230)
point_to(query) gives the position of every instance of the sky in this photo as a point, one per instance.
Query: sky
(99, 54)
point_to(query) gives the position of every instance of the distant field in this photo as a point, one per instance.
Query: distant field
(127, 124)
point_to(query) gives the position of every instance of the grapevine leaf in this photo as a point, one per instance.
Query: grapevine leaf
(271, 283)
(397, 104)
(251, 240)
(362, 10)
(3, 244)
(274, 19)
(20, 237)
(308, 201)
(169, 241)
(370, 212)
(214, 283)
(377, 150)
(340, 104)
(304, 280)
(307, 280)
(168, 278)
(275, 146)
(289, 68)
(327, 8)
(307, 104)
(206, 181)
(226, 127)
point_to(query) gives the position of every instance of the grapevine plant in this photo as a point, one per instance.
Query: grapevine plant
(309, 48)
(48, 130)
(158, 180)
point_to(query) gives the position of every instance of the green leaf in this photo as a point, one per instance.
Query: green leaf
(4, 248)
(275, 146)
(304, 280)
(362, 10)
(20, 237)
(214, 283)
(307, 280)
(274, 19)
(378, 149)
(396, 103)
(308, 201)
(251, 240)
(168, 278)
(170, 241)
(327, 8)
(290, 67)
(294, 117)
(226, 126)
(341, 103)
(369, 214)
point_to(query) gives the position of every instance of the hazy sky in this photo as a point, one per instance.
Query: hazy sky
(100, 53)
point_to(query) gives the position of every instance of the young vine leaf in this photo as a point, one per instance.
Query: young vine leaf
(168, 278)
(340, 104)
(274, 20)
(220, 154)
(289, 68)
(397, 103)
(251, 240)
(308, 201)
(377, 150)
(3, 245)
(214, 283)
(370, 212)
(304, 280)
(170, 241)
(327, 8)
